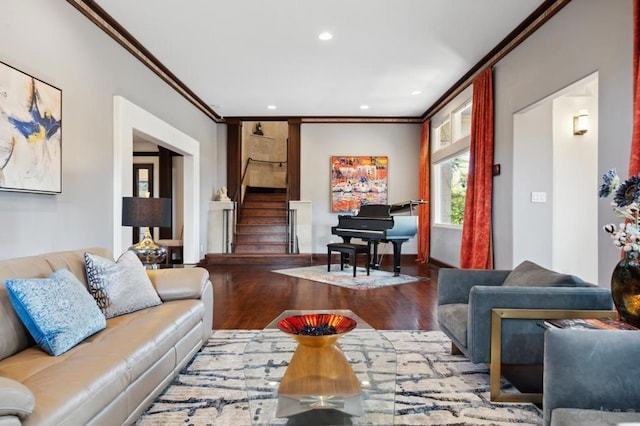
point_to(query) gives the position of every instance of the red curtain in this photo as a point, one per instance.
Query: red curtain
(476, 251)
(634, 158)
(424, 221)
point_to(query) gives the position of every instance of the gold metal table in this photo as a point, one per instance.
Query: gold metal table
(497, 315)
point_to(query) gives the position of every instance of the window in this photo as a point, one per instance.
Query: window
(442, 135)
(450, 181)
(450, 160)
(462, 121)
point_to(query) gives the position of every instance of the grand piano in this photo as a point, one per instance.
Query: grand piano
(375, 224)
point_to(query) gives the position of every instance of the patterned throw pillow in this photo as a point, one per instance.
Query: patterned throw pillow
(58, 311)
(119, 287)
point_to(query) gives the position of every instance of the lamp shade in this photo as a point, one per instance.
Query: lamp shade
(146, 212)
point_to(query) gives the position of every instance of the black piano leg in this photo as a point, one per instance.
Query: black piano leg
(374, 260)
(397, 245)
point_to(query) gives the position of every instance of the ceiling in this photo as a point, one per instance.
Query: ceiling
(242, 56)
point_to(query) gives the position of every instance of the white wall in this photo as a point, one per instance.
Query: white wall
(532, 152)
(575, 196)
(90, 68)
(319, 142)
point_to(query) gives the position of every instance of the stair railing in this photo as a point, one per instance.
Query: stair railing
(292, 230)
(229, 221)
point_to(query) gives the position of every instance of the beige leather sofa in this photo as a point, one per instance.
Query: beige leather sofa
(114, 375)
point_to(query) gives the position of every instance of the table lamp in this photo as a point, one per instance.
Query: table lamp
(147, 213)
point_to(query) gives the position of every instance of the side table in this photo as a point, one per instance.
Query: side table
(497, 315)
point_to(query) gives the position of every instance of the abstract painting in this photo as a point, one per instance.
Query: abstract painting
(30, 133)
(356, 181)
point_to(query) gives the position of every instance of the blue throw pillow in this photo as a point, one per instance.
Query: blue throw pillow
(58, 311)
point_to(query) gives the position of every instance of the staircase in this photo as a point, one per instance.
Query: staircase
(262, 224)
(261, 234)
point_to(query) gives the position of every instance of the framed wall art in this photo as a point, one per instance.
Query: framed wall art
(30, 133)
(358, 180)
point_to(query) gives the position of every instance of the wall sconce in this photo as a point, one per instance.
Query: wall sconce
(581, 123)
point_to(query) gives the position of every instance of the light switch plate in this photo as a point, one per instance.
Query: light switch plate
(538, 197)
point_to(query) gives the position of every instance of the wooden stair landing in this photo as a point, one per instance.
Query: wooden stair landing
(248, 259)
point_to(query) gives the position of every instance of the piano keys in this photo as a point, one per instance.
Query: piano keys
(375, 224)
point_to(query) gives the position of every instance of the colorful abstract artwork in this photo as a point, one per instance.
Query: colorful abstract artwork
(30, 133)
(356, 181)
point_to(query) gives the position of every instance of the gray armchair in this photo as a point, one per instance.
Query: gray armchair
(591, 377)
(466, 297)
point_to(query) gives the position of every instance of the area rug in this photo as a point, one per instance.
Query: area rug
(433, 387)
(345, 278)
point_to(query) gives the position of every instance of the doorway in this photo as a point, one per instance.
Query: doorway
(129, 121)
(238, 131)
(555, 181)
(142, 187)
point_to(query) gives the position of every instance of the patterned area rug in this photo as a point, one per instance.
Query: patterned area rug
(433, 387)
(344, 278)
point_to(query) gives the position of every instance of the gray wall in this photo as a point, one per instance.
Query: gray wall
(55, 43)
(400, 142)
(584, 37)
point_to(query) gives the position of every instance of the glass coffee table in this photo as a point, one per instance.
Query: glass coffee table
(364, 359)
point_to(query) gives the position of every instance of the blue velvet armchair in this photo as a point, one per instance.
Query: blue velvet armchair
(466, 297)
(591, 377)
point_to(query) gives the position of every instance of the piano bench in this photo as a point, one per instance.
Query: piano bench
(351, 250)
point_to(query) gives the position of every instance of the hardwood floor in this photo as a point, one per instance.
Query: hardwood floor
(249, 297)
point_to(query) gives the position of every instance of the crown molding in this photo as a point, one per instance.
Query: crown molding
(328, 119)
(393, 120)
(542, 14)
(104, 21)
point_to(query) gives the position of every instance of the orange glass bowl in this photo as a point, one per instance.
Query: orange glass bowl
(295, 324)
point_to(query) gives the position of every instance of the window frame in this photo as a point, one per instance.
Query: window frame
(438, 131)
(441, 154)
(456, 121)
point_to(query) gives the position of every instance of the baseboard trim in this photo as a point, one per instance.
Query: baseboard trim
(440, 264)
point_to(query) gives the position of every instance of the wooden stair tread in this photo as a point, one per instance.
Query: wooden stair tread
(262, 224)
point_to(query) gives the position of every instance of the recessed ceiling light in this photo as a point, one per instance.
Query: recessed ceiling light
(325, 36)
(271, 107)
(416, 92)
(364, 106)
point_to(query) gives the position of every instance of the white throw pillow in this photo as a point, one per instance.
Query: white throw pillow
(119, 287)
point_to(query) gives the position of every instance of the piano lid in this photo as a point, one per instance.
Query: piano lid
(374, 210)
(405, 206)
